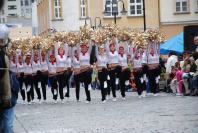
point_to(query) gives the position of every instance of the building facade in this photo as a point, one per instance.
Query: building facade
(61, 15)
(134, 16)
(175, 14)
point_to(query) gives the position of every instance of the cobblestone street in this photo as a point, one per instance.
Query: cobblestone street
(162, 114)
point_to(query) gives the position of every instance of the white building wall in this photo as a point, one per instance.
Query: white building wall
(71, 17)
(16, 11)
(168, 10)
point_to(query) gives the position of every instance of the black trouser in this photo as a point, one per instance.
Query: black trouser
(77, 83)
(108, 87)
(85, 77)
(54, 86)
(152, 74)
(29, 82)
(22, 91)
(124, 76)
(113, 74)
(36, 80)
(137, 76)
(44, 82)
(67, 74)
(102, 76)
(62, 84)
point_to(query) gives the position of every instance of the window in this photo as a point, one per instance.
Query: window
(3, 20)
(27, 11)
(11, 0)
(12, 7)
(197, 5)
(135, 8)
(83, 8)
(57, 9)
(181, 6)
(12, 15)
(21, 2)
(111, 7)
(26, 3)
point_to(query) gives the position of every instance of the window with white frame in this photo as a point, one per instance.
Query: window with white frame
(83, 9)
(111, 7)
(181, 5)
(135, 7)
(57, 9)
(197, 4)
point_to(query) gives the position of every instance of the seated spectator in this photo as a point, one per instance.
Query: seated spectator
(194, 88)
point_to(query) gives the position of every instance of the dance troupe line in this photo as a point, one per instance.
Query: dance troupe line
(121, 54)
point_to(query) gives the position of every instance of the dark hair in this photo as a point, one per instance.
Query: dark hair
(172, 53)
(195, 55)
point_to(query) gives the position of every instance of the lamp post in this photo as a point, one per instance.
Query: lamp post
(89, 20)
(114, 3)
(144, 15)
(100, 22)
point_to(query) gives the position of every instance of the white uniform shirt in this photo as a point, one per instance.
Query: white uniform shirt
(102, 60)
(171, 62)
(75, 63)
(36, 66)
(113, 57)
(153, 59)
(13, 67)
(44, 66)
(52, 67)
(28, 68)
(68, 62)
(20, 68)
(137, 63)
(144, 58)
(61, 62)
(123, 60)
(84, 59)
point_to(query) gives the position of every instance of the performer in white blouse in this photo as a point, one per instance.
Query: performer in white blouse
(76, 70)
(13, 63)
(28, 77)
(85, 68)
(36, 67)
(20, 74)
(125, 72)
(61, 58)
(44, 73)
(113, 66)
(154, 69)
(102, 61)
(52, 69)
(137, 71)
(68, 71)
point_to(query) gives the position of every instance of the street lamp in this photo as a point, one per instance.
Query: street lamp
(144, 15)
(114, 3)
(89, 20)
(100, 24)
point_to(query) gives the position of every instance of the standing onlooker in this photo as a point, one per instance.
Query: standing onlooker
(9, 86)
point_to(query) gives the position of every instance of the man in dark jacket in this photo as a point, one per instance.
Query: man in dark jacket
(9, 86)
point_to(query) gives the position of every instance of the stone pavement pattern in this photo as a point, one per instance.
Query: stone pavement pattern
(162, 114)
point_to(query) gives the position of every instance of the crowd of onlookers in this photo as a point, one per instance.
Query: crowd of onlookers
(182, 74)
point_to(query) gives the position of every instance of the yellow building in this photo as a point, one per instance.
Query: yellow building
(175, 14)
(133, 17)
(65, 15)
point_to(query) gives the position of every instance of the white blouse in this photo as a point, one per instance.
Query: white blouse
(137, 63)
(153, 59)
(44, 66)
(13, 67)
(113, 57)
(28, 69)
(123, 60)
(36, 66)
(20, 68)
(84, 59)
(102, 60)
(52, 67)
(68, 62)
(75, 63)
(61, 62)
